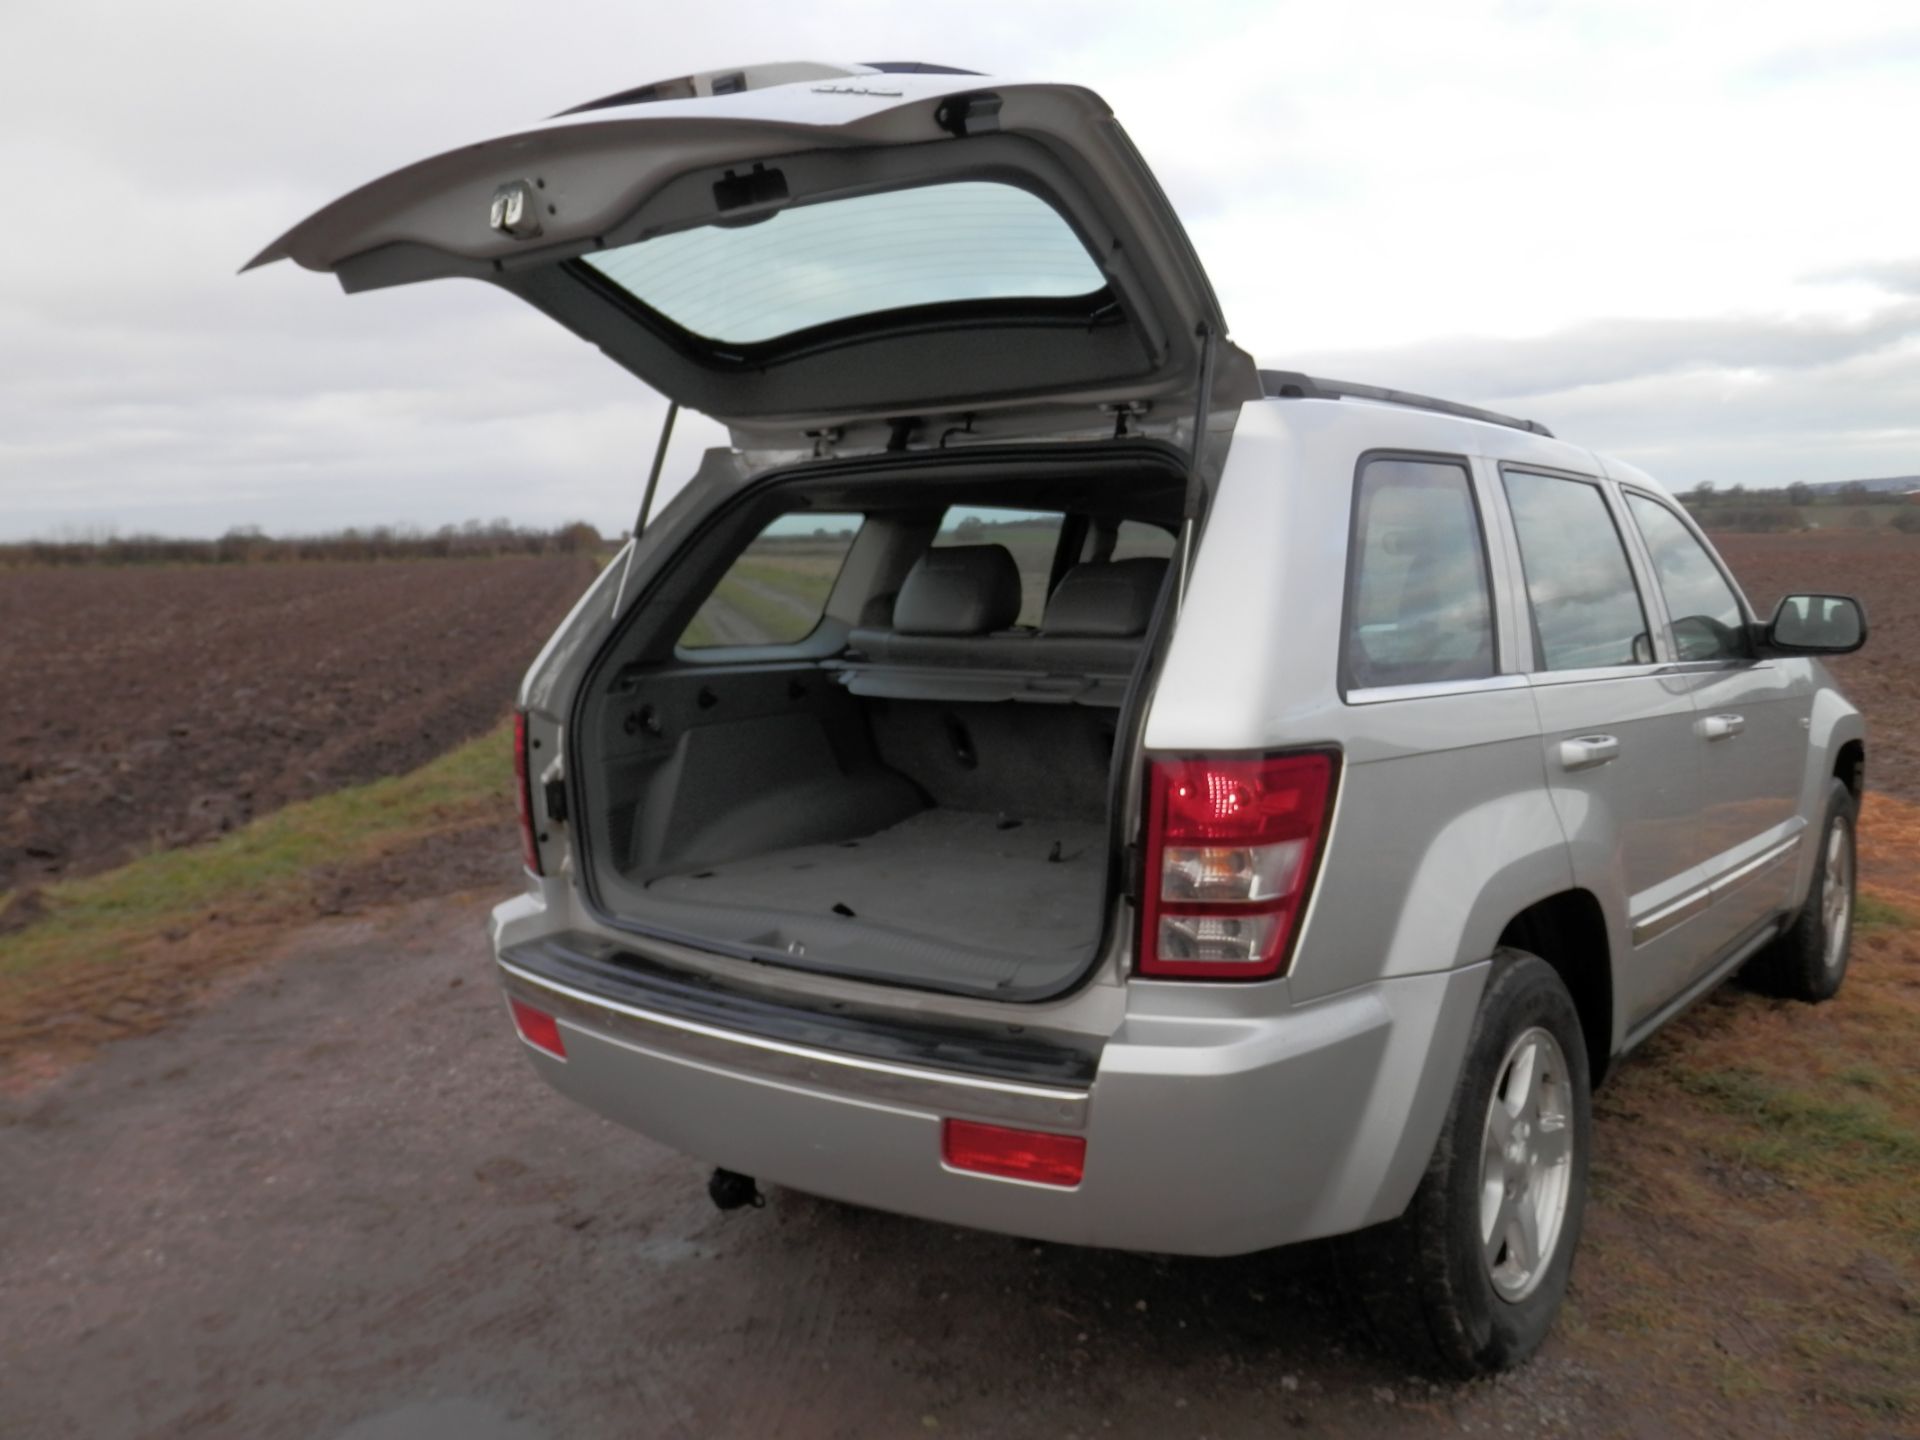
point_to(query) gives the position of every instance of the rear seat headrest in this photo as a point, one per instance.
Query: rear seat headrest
(1105, 599)
(959, 590)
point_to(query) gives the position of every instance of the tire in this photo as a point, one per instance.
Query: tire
(1426, 1285)
(1809, 960)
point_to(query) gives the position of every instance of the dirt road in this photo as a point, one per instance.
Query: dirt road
(339, 1198)
(335, 1203)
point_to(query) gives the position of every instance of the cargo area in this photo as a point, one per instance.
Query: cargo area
(914, 784)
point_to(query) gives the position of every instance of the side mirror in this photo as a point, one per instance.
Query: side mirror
(1816, 625)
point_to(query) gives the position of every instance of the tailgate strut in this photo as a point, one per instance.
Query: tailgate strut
(646, 503)
(1192, 513)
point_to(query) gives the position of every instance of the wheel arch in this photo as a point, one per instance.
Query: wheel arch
(1850, 766)
(1568, 930)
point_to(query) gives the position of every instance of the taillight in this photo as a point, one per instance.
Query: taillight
(1037, 1155)
(1231, 849)
(537, 1028)
(523, 793)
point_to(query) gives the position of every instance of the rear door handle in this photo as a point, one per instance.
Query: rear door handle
(1587, 751)
(1722, 727)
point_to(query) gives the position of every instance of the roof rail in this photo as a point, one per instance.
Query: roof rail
(1292, 385)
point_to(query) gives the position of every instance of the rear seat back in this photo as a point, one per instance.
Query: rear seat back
(949, 637)
(1097, 615)
(951, 602)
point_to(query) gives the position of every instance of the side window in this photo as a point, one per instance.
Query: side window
(1138, 541)
(1031, 536)
(1704, 611)
(1419, 609)
(776, 590)
(1586, 607)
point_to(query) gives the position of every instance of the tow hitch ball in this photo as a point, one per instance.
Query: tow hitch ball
(730, 1190)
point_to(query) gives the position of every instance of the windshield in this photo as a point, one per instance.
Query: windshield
(814, 264)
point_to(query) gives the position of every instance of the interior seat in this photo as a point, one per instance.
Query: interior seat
(1097, 616)
(950, 606)
(949, 639)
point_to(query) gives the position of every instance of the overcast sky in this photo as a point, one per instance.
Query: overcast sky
(1685, 234)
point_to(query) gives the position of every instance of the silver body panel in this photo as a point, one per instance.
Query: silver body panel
(1227, 1118)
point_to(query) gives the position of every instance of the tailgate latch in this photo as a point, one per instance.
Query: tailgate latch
(515, 210)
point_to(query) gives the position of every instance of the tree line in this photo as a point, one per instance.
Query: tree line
(1800, 507)
(249, 545)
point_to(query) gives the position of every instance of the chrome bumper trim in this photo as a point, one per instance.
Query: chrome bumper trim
(852, 1077)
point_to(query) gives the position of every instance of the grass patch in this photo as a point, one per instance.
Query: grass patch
(1852, 1132)
(1837, 1141)
(753, 591)
(1870, 912)
(262, 866)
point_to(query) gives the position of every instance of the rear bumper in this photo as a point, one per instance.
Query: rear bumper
(1204, 1136)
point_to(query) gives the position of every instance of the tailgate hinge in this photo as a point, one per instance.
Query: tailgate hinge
(1123, 411)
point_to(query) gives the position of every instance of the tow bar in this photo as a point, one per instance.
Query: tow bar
(730, 1190)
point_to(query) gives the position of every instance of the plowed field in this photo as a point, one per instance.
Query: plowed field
(144, 706)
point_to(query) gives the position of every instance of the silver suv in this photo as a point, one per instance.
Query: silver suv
(1049, 775)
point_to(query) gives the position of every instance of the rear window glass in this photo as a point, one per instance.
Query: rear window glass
(775, 592)
(814, 264)
(1031, 536)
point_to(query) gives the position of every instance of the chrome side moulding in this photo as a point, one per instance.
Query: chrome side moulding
(1675, 912)
(1656, 923)
(1748, 870)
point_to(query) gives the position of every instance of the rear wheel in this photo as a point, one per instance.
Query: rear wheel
(1469, 1279)
(1809, 960)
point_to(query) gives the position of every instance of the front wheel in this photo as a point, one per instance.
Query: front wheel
(1469, 1280)
(1809, 959)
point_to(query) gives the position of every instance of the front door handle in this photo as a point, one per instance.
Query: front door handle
(1587, 751)
(1722, 727)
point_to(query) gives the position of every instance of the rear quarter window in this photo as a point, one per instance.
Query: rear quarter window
(1419, 605)
(776, 590)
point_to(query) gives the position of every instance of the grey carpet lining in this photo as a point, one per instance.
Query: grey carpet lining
(944, 896)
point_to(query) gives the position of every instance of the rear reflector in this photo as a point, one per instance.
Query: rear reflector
(1032, 1155)
(538, 1028)
(1231, 846)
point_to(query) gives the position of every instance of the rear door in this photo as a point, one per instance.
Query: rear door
(1750, 724)
(903, 255)
(1618, 730)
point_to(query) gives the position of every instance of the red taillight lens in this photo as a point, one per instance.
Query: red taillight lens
(1035, 1155)
(538, 1028)
(1231, 849)
(523, 793)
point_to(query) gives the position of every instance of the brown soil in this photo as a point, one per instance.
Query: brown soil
(144, 706)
